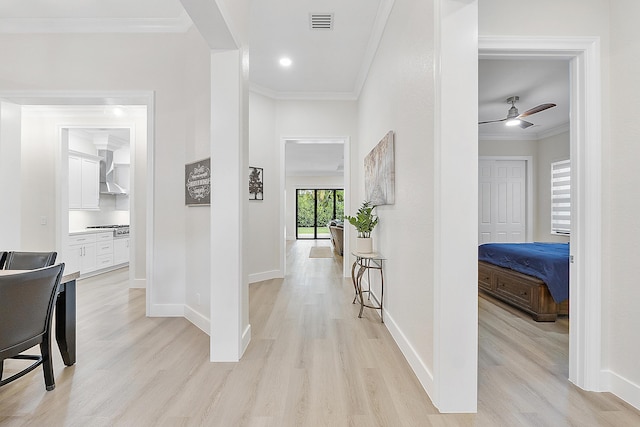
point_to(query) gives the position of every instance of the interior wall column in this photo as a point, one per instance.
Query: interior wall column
(456, 222)
(230, 331)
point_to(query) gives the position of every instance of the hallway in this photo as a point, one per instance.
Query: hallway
(311, 362)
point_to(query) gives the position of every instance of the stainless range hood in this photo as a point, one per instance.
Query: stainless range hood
(107, 174)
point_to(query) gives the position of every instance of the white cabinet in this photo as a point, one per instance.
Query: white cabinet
(120, 251)
(104, 250)
(84, 182)
(81, 253)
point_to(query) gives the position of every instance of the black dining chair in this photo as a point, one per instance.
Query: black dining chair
(26, 309)
(29, 260)
(3, 258)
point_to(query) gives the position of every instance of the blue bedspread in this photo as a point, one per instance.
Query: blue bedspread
(548, 262)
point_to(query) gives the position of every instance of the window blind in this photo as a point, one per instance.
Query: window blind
(561, 197)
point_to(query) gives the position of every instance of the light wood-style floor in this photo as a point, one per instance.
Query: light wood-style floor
(311, 362)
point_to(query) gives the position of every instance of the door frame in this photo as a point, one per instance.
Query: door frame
(346, 140)
(585, 334)
(528, 160)
(78, 99)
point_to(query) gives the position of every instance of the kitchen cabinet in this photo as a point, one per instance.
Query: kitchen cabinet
(81, 253)
(89, 252)
(104, 250)
(120, 251)
(84, 182)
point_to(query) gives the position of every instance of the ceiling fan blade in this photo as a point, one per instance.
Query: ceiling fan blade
(537, 109)
(524, 124)
(492, 121)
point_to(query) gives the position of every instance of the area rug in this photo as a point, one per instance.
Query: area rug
(321, 252)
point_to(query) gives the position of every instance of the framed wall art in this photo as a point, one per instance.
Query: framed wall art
(379, 172)
(256, 184)
(197, 182)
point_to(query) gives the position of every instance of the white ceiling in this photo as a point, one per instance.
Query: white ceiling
(327, 64)
(535, 82)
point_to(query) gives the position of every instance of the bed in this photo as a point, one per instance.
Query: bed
(531, 276)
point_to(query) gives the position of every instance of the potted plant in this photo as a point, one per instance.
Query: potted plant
(364, 221)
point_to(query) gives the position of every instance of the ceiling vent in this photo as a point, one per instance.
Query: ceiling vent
(321, 21)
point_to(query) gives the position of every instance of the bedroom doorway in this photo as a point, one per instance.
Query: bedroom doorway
(585, 144)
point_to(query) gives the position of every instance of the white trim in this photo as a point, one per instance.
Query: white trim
(530, 164)
(246, 338)
(178, 24)
(409, 352)
(623, 388)
(265, 275)
(346, 185)
(203, 323)
(139, 283)
(166, 310)
(585, 364)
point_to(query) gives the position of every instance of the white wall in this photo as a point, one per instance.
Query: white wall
(549, 150)
(622, 203)
(10, 194)
(399, 95)
(263, 228)
(271, 121)
(197, 145)
(294, 183)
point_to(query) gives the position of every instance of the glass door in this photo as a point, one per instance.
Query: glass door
(314, 210)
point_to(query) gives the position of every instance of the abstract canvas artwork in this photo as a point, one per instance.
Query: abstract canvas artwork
(379, 172)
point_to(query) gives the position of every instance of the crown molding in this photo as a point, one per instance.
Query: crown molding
(179, 24)
(380, 23)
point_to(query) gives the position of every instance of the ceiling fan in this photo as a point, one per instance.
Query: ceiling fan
(515, 119)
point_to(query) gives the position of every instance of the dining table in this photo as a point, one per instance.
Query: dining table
(65, 314)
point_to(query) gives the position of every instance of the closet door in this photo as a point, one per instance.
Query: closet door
(502, 201)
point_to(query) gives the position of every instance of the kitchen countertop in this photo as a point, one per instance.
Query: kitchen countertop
(90, 231)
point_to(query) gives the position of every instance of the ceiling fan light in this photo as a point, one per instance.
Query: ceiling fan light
(512, 122)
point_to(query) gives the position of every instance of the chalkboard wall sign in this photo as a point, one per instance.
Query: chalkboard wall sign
(197, 177)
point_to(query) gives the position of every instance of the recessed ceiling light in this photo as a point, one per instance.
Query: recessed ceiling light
(285, 62)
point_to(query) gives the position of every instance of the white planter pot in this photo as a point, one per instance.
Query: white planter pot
(364, 245)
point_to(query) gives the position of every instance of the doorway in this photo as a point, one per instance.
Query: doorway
(585, 141)
(315, 209)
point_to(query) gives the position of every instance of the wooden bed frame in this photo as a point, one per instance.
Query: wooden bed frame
(528, 293)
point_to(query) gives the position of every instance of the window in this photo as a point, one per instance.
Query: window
(314, 210)
(561, 197)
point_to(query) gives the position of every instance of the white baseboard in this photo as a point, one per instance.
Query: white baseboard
(166, 310)
(139, 284)
(622, 387)
(202, 322)
(419, 368)
(266, 275)
(246, 339)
